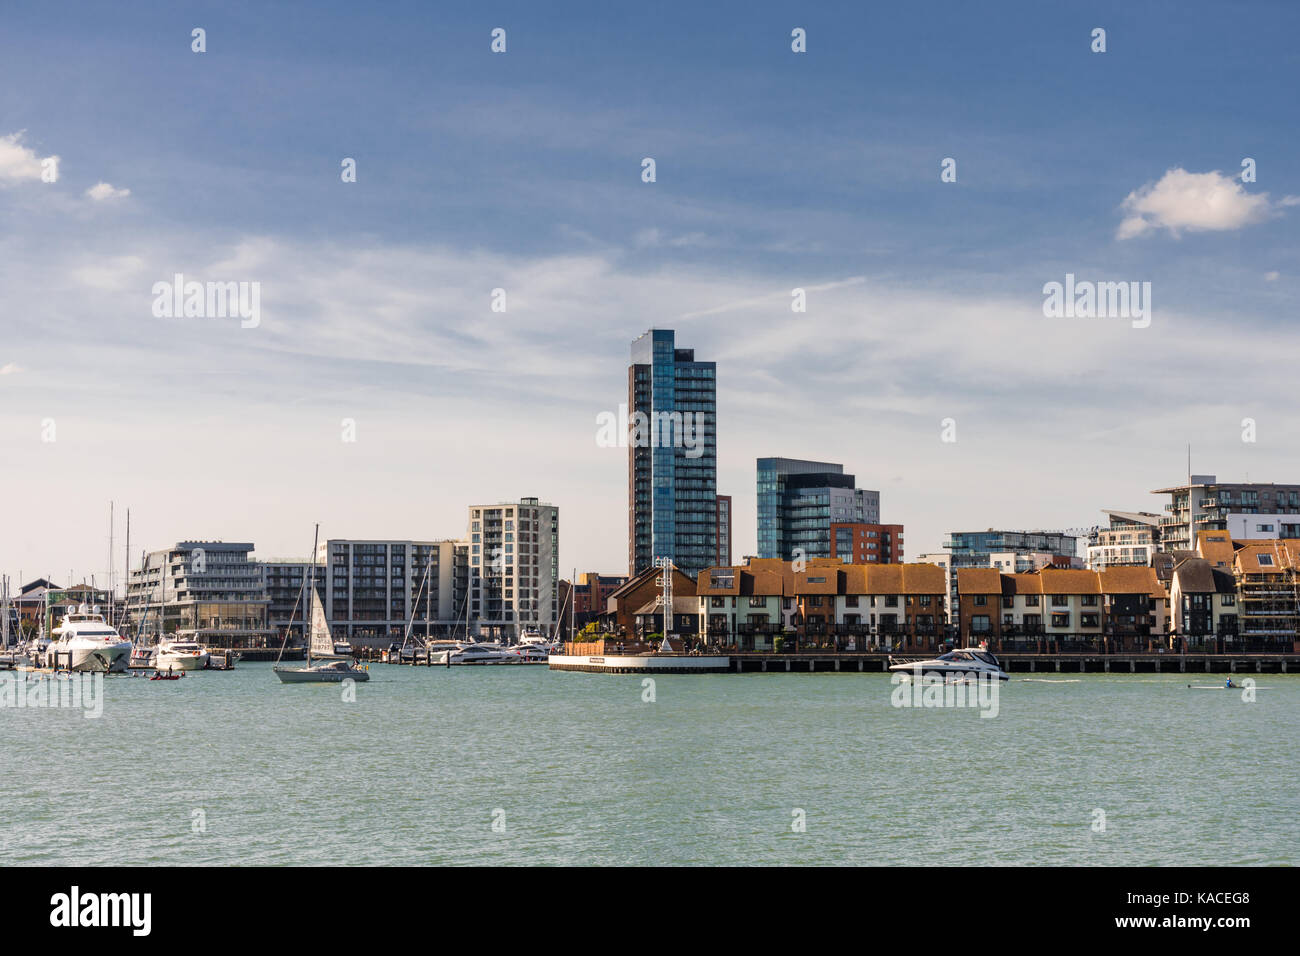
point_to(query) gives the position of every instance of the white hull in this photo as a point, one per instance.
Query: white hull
(165, 661)
(98, 657)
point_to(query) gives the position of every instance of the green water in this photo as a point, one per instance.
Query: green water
(579, 769)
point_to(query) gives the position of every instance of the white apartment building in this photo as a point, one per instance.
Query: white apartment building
(513, 558)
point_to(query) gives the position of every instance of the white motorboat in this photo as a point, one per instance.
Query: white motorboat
(84, 641)
(180, 656)
(960, 663)
(534, 653)
(476, 653)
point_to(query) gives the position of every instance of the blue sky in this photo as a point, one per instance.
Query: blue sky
(522, 171)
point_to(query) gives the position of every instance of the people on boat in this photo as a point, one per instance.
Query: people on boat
(1229, 685)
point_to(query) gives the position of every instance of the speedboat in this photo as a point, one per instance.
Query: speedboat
(476, 653)
(332, 671)
(958, 664)
(83, 641)
(181, 656)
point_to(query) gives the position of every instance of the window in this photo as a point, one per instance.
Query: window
(1031, 600)
(1060, 600)
(1229, 600)
(1265, 560)
(1090, 600)
(757, 601)
(850, 600)
(981, 600)
(1088, 620)
(979, 623)
(1060, 620)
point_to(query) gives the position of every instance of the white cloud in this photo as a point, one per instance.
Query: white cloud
(1196, 202)
(1271, 276)
(100, 192)
(10, 368)
(19, 163)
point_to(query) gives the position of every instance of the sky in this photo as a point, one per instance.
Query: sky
(521, 170)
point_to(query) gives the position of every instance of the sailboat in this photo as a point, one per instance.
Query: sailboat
(330, 668)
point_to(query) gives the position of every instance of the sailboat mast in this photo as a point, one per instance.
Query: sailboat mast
(311, 594)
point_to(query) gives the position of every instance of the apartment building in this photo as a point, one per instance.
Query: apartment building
(213, 592)
(798, 500)
(1203, 600)
(285, 581)
(1207, 504)
(1123, 604)
(672, 455)
(862, 543)
(374, 589)
(1016, 552)
(513, 559)
(889, 606)
(1130, 540)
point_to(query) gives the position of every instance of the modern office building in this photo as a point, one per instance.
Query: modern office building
(799, 500)
(862, 543)
(1206, 504)
(213, 592)
(672, 456)
(514, 550)
(1130, 541)
(374, 589)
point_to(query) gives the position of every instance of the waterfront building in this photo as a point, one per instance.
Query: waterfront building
(1203, 599)
(590, 598)
(1018, 552)
(211, 592)
(31, 600)
(1125, 605)
(798, 501)
(863, 543)
(285, 579)
(1206, 504)
(672, 455)
(628, 605)
(513, 560)
(1130, 540)
(374, 588)
(823, 601)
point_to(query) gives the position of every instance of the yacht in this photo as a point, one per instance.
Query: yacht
(476, 653)
(530, 653)
(83, 641)
(177, 655)
(964, 662)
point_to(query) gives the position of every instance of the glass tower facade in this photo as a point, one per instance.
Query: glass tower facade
(672, 455)
(797, 502)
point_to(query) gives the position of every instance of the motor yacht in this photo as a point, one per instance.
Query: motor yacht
(84, 641)
(957, 664)
(180, 656)
(476, 653)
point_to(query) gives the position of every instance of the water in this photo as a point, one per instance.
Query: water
(417, 769)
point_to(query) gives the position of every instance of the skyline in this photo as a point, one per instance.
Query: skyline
(522, 171)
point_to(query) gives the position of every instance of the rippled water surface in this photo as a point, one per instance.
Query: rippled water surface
(578, 768)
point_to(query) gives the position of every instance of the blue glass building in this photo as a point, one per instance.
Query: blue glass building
(798, 500)
(672, 455)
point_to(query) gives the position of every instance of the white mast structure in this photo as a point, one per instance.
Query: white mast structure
(665, 599)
